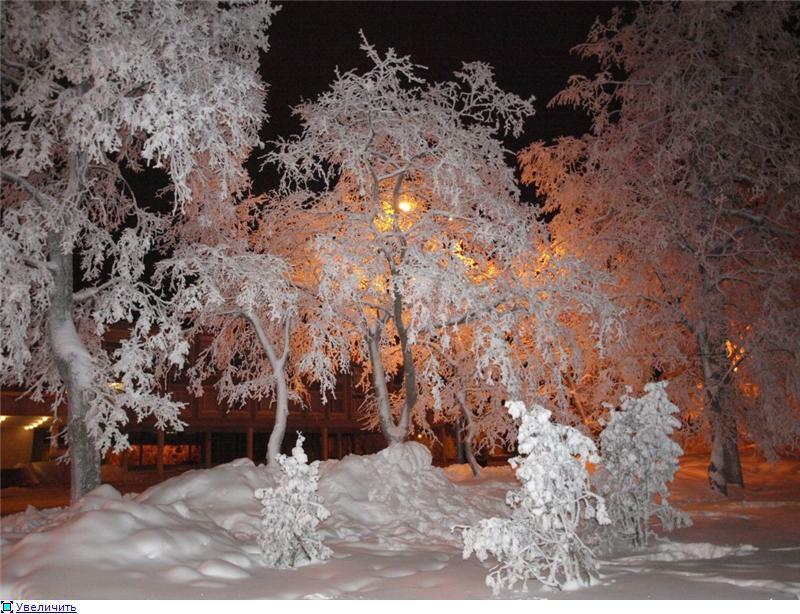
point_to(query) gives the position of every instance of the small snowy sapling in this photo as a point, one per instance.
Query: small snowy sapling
(639, 460)
(291, 512)
(541, 540)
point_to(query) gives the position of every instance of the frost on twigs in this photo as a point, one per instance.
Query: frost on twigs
(689, 184)
(639, 460)
(425, 251)
(291, 513)
(92, 92)
(541, 539)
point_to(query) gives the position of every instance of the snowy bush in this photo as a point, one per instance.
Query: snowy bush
(292, 510)
(638, 461)
(541, 539)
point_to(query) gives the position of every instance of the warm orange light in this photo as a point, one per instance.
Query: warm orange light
(478, 276)
(750, 390)
(386, 220)
(735, 355)
(37, 423)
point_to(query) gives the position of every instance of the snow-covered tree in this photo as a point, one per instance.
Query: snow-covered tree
(460, 397)
(253, 296)
(639, 460)
(459, 394)
(688, 190)
(94, 91)
(542, 538)
(292, 511)
(421, 227)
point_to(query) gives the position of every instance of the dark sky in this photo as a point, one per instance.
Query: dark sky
(528, 43)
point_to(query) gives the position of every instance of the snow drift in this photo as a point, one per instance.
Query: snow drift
(195, 536)
(203, 525)
(397, 497)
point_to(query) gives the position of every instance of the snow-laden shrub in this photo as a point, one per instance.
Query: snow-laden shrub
(541, 539)
(291, 513)
(639, 459)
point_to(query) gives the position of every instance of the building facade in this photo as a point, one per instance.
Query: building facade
(214, 433)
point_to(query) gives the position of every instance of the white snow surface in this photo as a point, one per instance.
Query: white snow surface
(194, 536)
(397, 498)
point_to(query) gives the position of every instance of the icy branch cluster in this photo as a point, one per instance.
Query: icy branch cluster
(541, 539)
(639, 460)
(688, 190)
(92, 93)
(291, 512)
(549, 536)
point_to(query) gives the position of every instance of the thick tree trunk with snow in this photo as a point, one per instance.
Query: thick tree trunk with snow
(281, 418)
(409, 369)
(468, 434)
(391, 432)
(278, 365)
(725, 467)
(74, 366)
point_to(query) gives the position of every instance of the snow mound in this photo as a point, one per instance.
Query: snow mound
(172, 541)
(107, 531)
(681, 551)
(463, 473)
(31, 520)
(395, 496)
(225, 495)
(202, 526)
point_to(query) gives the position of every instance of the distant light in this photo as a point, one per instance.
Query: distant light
(37, 423)
(3, 418)
(405, 206)
(419, 436)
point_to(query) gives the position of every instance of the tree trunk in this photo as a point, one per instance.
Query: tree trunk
(75, 367)
(278, 365)
(392, 432)
(409, 370)
(281, 418)
(468, 435)
(460, 458)
(725, 467)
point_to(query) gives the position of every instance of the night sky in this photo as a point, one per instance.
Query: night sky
(528, 43)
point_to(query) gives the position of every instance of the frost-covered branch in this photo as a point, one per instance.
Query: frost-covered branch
(686, 190)
(99, 87)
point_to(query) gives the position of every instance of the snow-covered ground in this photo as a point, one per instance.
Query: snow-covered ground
(194, 536)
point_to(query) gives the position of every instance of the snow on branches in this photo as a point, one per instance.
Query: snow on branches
(263, 325)
(541, 539)
(291, 512)
(423, 233)
(688, 190)
(639, 459)
(93, 92)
